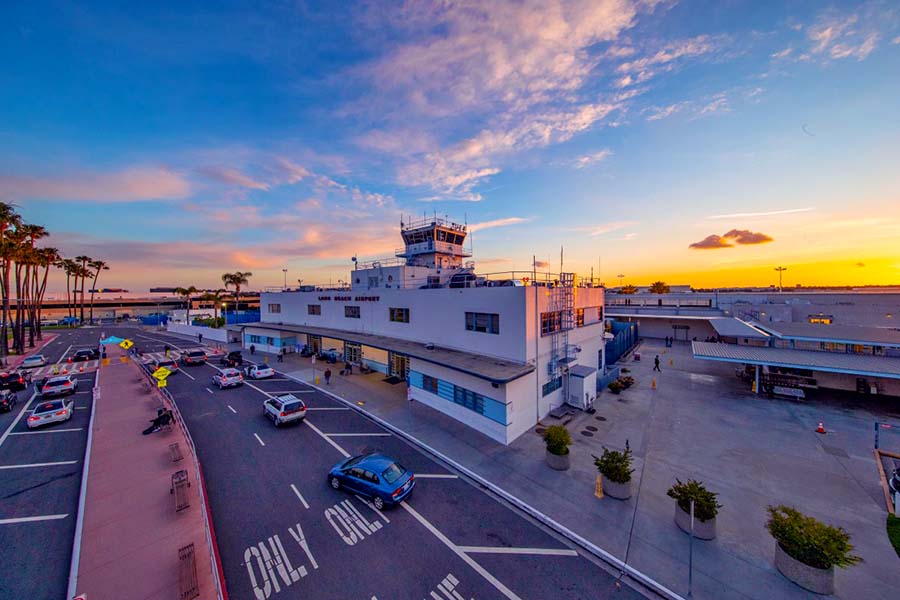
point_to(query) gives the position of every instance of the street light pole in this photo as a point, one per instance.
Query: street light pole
(691, 555)
(780, 271)
(285, 279)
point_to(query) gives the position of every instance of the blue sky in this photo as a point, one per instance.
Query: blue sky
(181, 140)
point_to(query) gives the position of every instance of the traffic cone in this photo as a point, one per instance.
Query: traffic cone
(653, 384)
(671, 362)
(820, 428)
(65, 370)
(81, 369)
(69, 360)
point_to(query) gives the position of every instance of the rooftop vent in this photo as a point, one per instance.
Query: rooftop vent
(429, 346)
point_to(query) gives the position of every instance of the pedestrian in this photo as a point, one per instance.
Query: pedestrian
(281, 355)
(252, 349)
(200, 338)
(656, 364)
(328, 376)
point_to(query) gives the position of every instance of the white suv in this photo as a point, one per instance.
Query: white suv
(284, 409)
(228, 378)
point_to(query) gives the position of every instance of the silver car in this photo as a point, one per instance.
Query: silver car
(51, 411)
(284, 409)
(59, 386)
(228, 378)
(37, 360)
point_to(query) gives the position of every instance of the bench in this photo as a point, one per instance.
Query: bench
(188, 585)
(175, 452)
(180, 485)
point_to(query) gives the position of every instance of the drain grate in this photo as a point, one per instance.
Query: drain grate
(590, 428)
(587, 433)
(835, 451)
(540, 430)
(599, 418)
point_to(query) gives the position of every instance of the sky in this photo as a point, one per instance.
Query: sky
(693, 142)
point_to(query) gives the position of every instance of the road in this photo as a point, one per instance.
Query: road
(284, 533)
(40, 481)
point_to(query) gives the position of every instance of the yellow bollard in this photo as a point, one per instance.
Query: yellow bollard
(671, 362)
(266, 359)
(317, 380)
(653, 384)
(664, 351)
(753, 387)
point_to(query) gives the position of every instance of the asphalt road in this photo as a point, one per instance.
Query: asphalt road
(40, 481)
(284, 533)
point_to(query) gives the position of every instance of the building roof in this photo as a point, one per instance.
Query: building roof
(582, 370)
(732, 327)
(495, 370)
(841, 334)
(830, 362)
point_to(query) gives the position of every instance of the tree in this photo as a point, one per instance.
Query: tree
(9, 220)
(628, 289)
(84, 274)
(187, 293)
(659, 287)
(216, 298)
(97, 265)
(49, 257)
(236, 280)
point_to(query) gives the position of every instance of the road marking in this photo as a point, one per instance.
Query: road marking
(61, 358)
(266, 394)
(258, 439)
(191, 377)
(358, 434)
(210, 391)
(327, 439)
(465, 557)
(436, 476)
(290, 391)
(231, 409)
(299, 495)
(82, 408)
(325, 407)
(505, 550)
(32, 465)
(17, 419)
(32, 519)
(45, 431)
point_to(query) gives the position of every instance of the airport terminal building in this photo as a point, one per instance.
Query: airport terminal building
(496, 352)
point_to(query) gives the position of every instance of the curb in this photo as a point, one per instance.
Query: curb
(585, 544)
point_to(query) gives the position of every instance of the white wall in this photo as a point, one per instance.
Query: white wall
(216, 335)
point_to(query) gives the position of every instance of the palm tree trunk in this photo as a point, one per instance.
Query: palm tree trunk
(81, 318)
(93, 289)
(4, 328)
(40, 302)
(17, 347)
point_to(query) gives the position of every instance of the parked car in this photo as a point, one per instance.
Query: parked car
(158, 363)
(14, 382)
(35, 360)
(85, 354)
(8, 400)
(284, 409)
(232, 359)
(332, 355)
(53, 411)
(193, 357)
(59, 386)
(228, 378)
(376, 476)
(259, 371)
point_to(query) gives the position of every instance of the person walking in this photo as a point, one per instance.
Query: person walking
(252, 349)
(656, 364)
(281, 355)
(200, 338)
(327, 376)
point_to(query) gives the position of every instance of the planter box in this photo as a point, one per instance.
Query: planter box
(820, 581)
(705, 530)
(619, 491)
(559, 462)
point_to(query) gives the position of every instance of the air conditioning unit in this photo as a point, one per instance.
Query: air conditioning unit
(429, 346)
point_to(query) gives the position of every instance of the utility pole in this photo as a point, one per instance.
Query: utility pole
(285, 279)
(780, 271)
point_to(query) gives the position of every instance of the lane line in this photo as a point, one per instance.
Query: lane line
(210, 391)
(61, 358)
(358, 434)
(436, 476)
(191, 377)
(327, 439)
(294, 391)
(465, 557)
(258, 439)
(82, 408)
(17, 419)
(505, 550)
(46, 431)
(32, 519)
(299, 495)
(326, 407)
(32, 465)
(231, 409)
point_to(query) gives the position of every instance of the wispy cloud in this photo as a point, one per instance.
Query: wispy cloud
(769, 213)
(589, 159)
(841, 37)
(729, 239)
(497, 223)
(129, 185)
(642, 69)
(655, 113)
(231, 176)
(604, 228)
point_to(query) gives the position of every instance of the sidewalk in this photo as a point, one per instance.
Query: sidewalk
(14, 360)
(131, 531)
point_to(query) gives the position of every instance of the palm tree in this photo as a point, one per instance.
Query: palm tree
(659, 287)
(215, 297)
(68, 265)
(236, 280)
(84, 274)
(48, 257)
(9, 221)
(97, 265)
(628, 289)
(186, 293)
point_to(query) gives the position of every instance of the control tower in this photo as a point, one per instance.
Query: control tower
(433, 242)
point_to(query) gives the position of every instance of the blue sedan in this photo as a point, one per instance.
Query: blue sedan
(375, 476)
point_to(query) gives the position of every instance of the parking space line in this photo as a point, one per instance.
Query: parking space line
(32, 465)
(465, 557)
(210, 391)
(259, 439)
(325, 407)
(231, 409)
(46, 431)
(436, 476)
(17, 419)
(299, 495)
(191, 377)
(32, 519)
(82, 408)
(61, 358)
(379, 434)
(327, 439)
(295, 391)
(505, 550)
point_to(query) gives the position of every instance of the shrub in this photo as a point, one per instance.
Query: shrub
(615, 386)
(615, 465)
(893, 528)
(809, 540)
(214, 323)
(705, 505)
(557, 439)
(626, 381)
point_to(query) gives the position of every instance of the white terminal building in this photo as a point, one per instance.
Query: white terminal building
(497, 352)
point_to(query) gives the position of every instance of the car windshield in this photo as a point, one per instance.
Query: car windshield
(56, 382)
(231, 373)
(354, 460)
(84, 352)
(165, 363)
(292, 406)
(393, 473)
(48, 407)
(33, 358)
(196, 354)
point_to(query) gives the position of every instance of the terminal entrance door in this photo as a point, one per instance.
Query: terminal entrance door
(399, 365)
(315, 343)
(352, 353)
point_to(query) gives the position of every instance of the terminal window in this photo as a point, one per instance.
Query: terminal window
(483, 322)
(351, 312)
(579, 317)
(314, 309)
(430, 384)
(821, 319)
(399, 315)
(550, 322)
(275, 308)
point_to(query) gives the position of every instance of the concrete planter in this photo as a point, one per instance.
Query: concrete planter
(704, 530)
(619, 491)
(559, 462)
(820, 581)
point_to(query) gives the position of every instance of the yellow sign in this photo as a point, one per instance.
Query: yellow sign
(161, 383)
(598, 487)
(126, 344)
(161, 373)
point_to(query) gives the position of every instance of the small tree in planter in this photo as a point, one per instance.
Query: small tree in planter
(705, 508)
(558, 440)
(627, 381)
(807, 550)
(615, 386)
(616, 469)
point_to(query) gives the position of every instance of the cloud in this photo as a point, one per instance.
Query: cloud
(594, 157)
(896, 40)
(129, 185)
(661, 112)
(729, 239)
(604, 228)
(230, 176)
(839, 37)
(783, 53)
(496, 223)
(642, 69)
(770, 213)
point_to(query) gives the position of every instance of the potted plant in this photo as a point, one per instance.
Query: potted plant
(615, 386)
(807, 550)
(705, 508)
(627, 381)
(615, 468)
(558, 440)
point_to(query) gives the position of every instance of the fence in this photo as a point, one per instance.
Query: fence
(213, 335)
(626, 336)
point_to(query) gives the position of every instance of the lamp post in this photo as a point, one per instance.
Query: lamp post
(780, 271)
(225, 314)
(621, 276)
(285, 279)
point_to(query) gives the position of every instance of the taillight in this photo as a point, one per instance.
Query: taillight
(67, 384)
(60, 413)
(21, 380)
(33, 418)
(281, 414)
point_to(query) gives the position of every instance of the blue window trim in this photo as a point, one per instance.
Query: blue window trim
(477, 403)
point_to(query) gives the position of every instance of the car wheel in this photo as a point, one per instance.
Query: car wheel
(277, 422)
(378, 502)
(335, 483)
